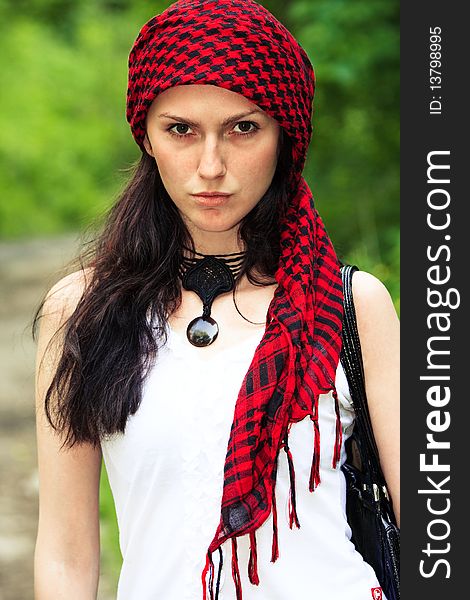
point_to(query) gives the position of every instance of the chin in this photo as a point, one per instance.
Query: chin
(218, 229)
(215, 225)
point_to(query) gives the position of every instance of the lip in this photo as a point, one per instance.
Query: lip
(212, 199)
(217, 193)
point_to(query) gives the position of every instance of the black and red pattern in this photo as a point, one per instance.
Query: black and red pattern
(240, 46)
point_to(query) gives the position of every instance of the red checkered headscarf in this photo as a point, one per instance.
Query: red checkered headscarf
(240, 46)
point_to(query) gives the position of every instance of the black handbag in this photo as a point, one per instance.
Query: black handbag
(368, 506)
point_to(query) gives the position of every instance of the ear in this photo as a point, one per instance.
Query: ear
(148, 146)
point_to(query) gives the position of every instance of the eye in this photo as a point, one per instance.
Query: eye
(175, 129)
(180, 134)
(243, 124)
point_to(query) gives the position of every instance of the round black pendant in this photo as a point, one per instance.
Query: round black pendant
(202, 331)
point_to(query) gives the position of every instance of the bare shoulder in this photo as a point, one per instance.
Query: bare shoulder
(377, 319)
(370, 294)
(59, 304)
(368, 289)
(63, 297)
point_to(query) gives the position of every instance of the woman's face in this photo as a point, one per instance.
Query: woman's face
(208, 139)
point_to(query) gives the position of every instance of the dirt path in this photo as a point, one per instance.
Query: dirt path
(27, 270)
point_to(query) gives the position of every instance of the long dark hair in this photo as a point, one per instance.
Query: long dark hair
(111, 339)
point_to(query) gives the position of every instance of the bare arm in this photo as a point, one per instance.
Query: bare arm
(66, 563)
(379, 332)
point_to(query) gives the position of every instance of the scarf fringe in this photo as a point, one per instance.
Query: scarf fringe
(219, 572)
(339, 432)
(293, 518)
(209, 568)
(275, 545)
(235, 570)
(315, 469)
(253, 562)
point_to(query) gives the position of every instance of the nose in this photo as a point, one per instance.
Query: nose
(211, 161)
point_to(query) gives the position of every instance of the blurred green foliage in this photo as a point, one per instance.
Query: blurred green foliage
(65, 142)
(64, 133)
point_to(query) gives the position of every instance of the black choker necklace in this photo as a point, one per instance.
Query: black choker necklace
(208, 276)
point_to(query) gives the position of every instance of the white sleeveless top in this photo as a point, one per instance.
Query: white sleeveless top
(166, 476)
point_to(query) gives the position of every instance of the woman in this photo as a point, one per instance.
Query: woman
(204, 330)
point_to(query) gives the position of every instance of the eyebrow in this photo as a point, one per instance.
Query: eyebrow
(228, 121)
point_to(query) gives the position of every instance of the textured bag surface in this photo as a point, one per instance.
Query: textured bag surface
(368, 507)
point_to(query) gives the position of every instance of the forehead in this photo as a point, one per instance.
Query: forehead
(203, 97)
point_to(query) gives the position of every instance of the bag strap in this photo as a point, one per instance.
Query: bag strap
(351, 359)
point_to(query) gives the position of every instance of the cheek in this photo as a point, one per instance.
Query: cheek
(259, 167)
(172, 165)
(267, 153)
(162, 155)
